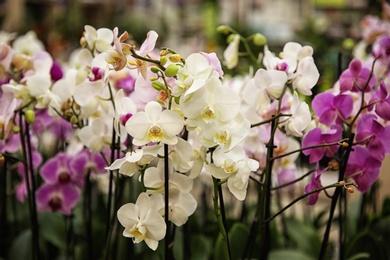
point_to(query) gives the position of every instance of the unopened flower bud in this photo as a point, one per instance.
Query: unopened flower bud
(154, 69)
(223, 29)
(74, 120)
(29, 115)
(83, 42)
(344, 144)
(164, 52)
(171, 70)
(15, 129)
(175, 57)
(230, 38)
(350, 189)
(157, 85)
(259, 39)
(333, 165)
(163, 60)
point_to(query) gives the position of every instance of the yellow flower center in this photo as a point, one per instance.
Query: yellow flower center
(208, 114)
(221, 137)
(155, 133)
(229, 166)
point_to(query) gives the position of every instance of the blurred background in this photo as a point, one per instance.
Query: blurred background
(188, 24)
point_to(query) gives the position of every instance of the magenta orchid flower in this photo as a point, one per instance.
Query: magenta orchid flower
(363, 168)
(374, 135)
(57, 197)
(332, 109)
(381, 98)
(356, 78)
(316, 137)
(65, 169)
(315, 183)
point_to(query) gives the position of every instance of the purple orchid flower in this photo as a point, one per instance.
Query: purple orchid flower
(381, 98)
(374, 135)
(316, 137)
(363, 168)
(332, 109)
(57, 197)
(315, 183)
(21, 188)
(381, 48)
(356, 78)
(65, 169)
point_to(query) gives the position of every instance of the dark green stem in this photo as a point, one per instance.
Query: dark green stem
(88, 215)
(167, 250)
(219, 211)
(3, 204)
(30, 184)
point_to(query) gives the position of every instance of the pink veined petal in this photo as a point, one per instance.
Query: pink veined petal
(50, 170)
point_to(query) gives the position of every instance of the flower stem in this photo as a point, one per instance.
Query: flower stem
(335, 198)
(219, 211)
(167, 249)
(88, 215)
(30, 183)
(3, 203)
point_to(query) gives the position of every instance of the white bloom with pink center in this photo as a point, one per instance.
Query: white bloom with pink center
(154, 125)
(300, 117)
(142, 222)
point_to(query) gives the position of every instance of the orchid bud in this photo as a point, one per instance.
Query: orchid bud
(163, 60)
(154, 69)
(333, 165)
(164, 52)
(157, 85)
(171, 70)
(15, 129)
(259, 39)
(223, 29)
(29, 115)
(230, 38)
(175, 57)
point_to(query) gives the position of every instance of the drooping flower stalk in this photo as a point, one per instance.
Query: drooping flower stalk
(30, 183)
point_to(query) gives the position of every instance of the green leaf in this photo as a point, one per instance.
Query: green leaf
(200, 248)
(303, 236)
(238, 235)
(21, 247)
(366, 242)
(52, 229)
(289, 254)
(360, 256)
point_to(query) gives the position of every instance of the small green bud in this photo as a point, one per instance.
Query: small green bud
(154, 69)
(15, 129)
(224, 29)
(348, 44)
(259, 39)
(29, 115)
(163, 60)
(74, 120)
(230, 38)
(157, 85)
(171, 70)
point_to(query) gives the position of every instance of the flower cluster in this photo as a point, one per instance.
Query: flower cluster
(117, 111)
